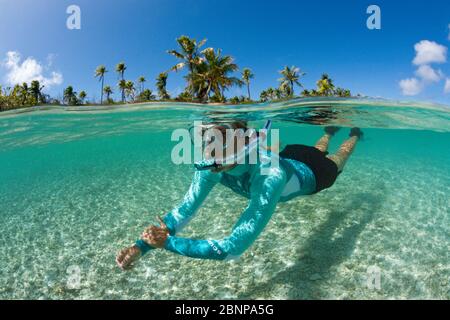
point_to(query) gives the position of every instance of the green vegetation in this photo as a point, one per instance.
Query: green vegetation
(108, 91)
(81, 96)
(326, 88)
(209, 75)
(290, 78)
(190, 57)
(141, 81)
(246, 76)
(36, 92)
(70, 97)
(120, 69)
(24, 96)
(161, 83)
(100, 74)
(130, 90)
(145, 95)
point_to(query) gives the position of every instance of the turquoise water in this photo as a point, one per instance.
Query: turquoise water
(78, 184)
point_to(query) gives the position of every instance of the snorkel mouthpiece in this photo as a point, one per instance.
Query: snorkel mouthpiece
(206, 165)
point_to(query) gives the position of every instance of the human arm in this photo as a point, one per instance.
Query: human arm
(201, 185)
(265, 193)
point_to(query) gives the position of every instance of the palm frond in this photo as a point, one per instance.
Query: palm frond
(176, 54)
(178, 66)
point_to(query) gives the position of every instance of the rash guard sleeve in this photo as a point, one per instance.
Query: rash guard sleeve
(265, 193)
(202, 183)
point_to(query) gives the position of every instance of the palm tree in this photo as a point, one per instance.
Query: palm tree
(290, 77)
(325, 86)
(36, 91)
(100, 74)
(3, 100)
(70, 96)
(284, 90)
(122, 86)
(270, 93)
(189, 54)
(120, 69)
(246, 76)
(161, 83)
(184, 96)
(340, 92)
(82, 95)
(141, 81)
(146, 95)
(23, 93)
(214, 75)
(279, 94)
(263, 96)
(108, 91)
(130, 89)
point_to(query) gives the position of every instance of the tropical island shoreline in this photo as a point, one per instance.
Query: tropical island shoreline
(210, 74)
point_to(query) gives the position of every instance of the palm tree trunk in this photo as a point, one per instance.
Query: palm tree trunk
(101, 96)
(208, 91)
(191, 83)
(123, 90)
(248, 90)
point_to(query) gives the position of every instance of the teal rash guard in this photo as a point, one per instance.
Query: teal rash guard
(278, 184)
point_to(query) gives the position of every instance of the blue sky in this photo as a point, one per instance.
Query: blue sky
(318, 37)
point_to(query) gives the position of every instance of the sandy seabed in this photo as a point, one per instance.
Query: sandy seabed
(59, 242)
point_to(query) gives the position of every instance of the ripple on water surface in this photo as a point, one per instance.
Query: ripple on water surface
(70, 206)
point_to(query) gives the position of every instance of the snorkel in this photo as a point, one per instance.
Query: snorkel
(208, 164)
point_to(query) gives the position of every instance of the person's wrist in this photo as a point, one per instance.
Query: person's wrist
(167, 241)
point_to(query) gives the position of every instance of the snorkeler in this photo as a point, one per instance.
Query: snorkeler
(302, 170)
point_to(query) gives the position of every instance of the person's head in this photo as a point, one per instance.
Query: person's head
(224, 139)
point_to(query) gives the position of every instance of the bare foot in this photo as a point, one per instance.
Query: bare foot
(126, 257)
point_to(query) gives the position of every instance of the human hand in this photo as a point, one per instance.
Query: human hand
(156, 236)
(126, 257)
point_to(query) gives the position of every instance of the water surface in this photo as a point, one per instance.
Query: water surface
(78, 184)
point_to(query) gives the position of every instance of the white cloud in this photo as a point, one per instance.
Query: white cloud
(28, 70)
(411, 86)
(50, 58)
(428, 74)
(429, 52)
(447, 86)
